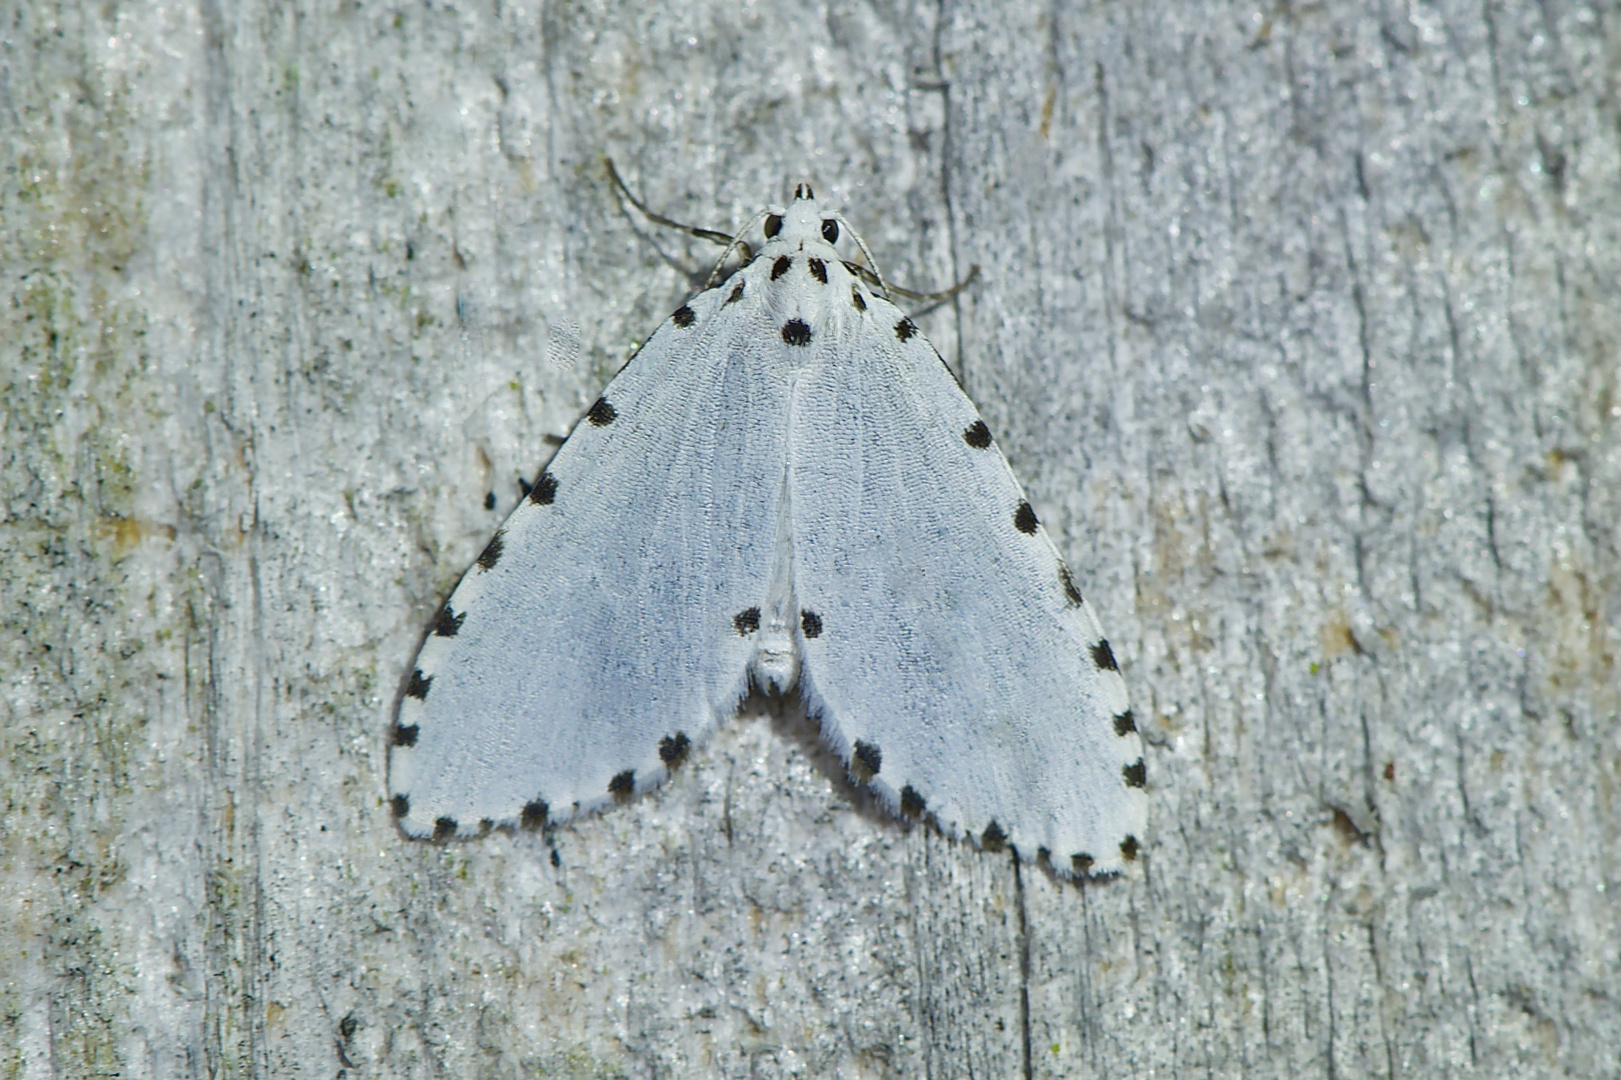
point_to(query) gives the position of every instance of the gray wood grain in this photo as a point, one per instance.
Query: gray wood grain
(1299, 323)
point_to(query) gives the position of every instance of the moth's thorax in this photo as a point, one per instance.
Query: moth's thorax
(811, 247)
(803, 282)
(800, 279)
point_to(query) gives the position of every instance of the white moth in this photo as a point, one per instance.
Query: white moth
(784, 488)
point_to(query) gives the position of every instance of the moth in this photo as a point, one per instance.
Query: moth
(785, 489)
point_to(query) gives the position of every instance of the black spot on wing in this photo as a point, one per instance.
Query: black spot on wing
(858, 300)
(623, 785)
(418, 687)
(905, 329)
(534, 814)
(544, 489)
(1024, 519)
(780, 267)
(448, 623)
(977, 435)
(1128, 849)
(602, 414)
(1125, 723)
(1068, 582)
(401, 805)
(911, 802)
(796, 332)
(444, 828)
(818, 269)
(810, 623)
(684, 316)
(747, 621)
(993, 838)
(1103, 656)
(405, 734)
(867, 758)
(673, 749)
(737, 293)
(1136, 773)
(491, 553)
(1081, 863)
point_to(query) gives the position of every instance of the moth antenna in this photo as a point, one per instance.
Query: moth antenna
(737, 242)
(874, 277)
(712, 235)
(872, 263)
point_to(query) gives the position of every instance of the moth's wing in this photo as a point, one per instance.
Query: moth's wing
(594, 640)
(951, 649)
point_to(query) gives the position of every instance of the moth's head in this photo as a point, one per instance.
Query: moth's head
(801, 220)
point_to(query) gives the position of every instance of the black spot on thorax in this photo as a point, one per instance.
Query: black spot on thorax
(747, 621)
(818, 269)
(796, 332)
(780, 267)
(810, 623)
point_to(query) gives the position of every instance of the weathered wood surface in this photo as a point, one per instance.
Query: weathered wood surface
(1300, 324)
